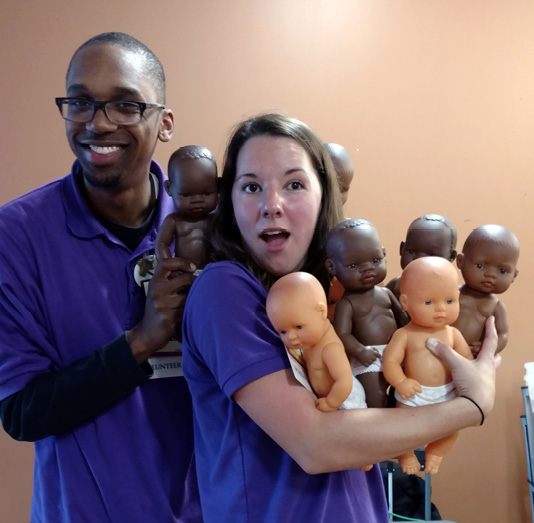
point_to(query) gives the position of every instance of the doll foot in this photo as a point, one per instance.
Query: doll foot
(432, 463)
(409, 464)
(367, 468)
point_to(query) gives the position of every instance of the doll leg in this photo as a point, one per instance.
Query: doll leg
(375, 387)
(435, 451)
(409, 463)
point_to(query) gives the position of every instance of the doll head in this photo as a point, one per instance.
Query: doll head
(429, 292)
(355, 255)
(429, 235)
(296, 306)
(488, 260)
(343, 166)
(192, 183)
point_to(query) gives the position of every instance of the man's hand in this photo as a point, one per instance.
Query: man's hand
(164, 307)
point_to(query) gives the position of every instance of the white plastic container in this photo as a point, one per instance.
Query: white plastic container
(529, 381)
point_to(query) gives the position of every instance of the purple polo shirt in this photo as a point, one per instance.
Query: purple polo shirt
(67, 288)
(244, 476)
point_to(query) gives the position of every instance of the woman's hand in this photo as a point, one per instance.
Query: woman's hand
(473, 378)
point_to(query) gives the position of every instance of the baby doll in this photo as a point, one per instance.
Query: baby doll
(367, 315)
(428, 235)
(343, 166)
(345, 173)
(193, 186)
(429, 293)
(296, 306)
(489, 266)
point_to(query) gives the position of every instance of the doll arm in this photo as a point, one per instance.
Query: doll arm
(501, 324)
(392, 366)
(337, 363)
(343, 327)
(391, 283)
(460, 345)
(165, 237)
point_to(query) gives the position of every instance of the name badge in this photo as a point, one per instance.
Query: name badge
(298, 368)
(167, 362)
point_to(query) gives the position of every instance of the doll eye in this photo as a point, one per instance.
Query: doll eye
(299, 327)
(428, 302)
(503, 271)
(479, 266)
(449, 301)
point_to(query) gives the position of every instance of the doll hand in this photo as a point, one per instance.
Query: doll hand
(322, 404)
(475, 348)
(473, 378)
(366, 355)
(407, 388)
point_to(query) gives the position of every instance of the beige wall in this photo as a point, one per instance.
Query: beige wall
(434, 99)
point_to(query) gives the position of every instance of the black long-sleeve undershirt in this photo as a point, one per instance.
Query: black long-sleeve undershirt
(58, 401)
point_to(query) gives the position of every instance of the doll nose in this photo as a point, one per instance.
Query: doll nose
(365, 267)
(490, 272)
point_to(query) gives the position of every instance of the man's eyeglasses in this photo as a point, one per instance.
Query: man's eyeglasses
(120, 112)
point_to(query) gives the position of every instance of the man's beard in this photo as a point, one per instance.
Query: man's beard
(110, 181)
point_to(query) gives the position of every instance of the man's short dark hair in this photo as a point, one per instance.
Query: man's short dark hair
(153, 66)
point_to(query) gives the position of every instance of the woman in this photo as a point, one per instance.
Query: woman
(264, 451)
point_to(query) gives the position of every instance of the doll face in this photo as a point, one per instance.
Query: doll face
(489, 267)
(432, 300)
(360, 261)
(192, 185)
(277, 199)
(298, 323)
(429, 240)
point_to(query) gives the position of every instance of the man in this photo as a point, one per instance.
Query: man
(78, 338)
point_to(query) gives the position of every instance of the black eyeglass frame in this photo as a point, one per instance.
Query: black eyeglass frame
(97, 104)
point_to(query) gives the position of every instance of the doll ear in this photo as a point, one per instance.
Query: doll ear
(403, 299)
(323, 309)
(460, 260)
(167, 186)
(453, 254)
(330, 267)
(384, 251)
(515, 274)
(401, 248)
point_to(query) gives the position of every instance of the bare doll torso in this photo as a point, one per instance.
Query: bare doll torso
(475, 309)
(373, 320)
(190, 236)
(419, 363)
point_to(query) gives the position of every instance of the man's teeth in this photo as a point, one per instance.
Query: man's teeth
(103, 150)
